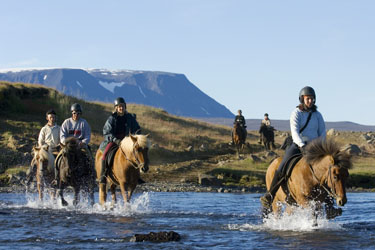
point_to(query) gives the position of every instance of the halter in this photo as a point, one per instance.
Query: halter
(331, 192)
(136, 165)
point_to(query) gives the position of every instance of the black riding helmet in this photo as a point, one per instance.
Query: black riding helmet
(306, 91)
(120, 100)
(76, 107)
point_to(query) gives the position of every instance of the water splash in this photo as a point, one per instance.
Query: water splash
(139, 204)
(301, 220)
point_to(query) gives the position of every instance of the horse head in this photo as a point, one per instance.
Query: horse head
(333, 165)
(42, 157)
(137, 146)
(70, 155)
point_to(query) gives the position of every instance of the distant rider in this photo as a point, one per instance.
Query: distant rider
(241, 120)
(48, 135)
(118, 125)
(266, 121)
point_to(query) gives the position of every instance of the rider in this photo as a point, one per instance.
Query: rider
(118, 125)
(48, 135)
(241, 120)
(75, 127)
(266, 121)
(298, 119)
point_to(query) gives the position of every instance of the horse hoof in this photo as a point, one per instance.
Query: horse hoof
(64, 203)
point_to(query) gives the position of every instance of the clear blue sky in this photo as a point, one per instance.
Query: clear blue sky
(249, 55)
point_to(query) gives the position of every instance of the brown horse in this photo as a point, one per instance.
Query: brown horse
(44, 162)
(75, 170)
(320, 175)
(267, 136)
(129, 160)
(239, 136)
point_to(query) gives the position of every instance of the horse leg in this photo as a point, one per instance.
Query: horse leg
(102, 193)
(113, 195)
(76, 196)
(124, 192)
(63, 201)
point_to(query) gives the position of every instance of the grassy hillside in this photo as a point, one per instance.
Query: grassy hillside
(182, 148)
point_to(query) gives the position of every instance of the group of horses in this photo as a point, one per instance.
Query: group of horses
(317, 177)
(267, 136)
(76, 169)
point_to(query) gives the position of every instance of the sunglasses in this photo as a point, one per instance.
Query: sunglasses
(76, 113)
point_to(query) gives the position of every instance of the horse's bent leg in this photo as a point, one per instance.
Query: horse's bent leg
(63, 201)
(102, 193)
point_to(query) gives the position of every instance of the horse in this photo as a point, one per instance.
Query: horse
(45, 170)
(130, 159)
(267, 136)
(239, 136)
(319, 176)
(75, 170)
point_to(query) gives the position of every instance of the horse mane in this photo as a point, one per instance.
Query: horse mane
(319, 148)
(127, 142)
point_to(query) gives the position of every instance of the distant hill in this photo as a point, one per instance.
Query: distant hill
(283, 125)
(169, 91)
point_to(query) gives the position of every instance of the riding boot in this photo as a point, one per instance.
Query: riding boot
(103, 178)
(268, 197)
(140, 181)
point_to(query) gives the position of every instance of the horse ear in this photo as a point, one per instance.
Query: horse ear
(134, 138)
(147, 135)
(36, 148)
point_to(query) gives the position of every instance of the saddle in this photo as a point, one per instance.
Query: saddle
(287, 172)
(110, 156)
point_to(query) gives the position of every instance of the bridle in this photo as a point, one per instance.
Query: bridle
(137, 164)
(331, 192)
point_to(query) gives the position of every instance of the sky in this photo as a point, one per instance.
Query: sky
(245, 54)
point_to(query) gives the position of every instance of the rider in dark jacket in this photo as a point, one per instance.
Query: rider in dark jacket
(241, 120)
(117, 126)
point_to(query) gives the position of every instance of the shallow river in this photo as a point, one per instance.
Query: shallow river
(204, 221)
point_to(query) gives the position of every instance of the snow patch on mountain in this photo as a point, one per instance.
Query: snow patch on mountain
(111, 85)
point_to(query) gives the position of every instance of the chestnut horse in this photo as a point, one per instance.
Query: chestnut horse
(45, 169)
(75, 170)
(239, 136)
(319, 175)
(130, 158)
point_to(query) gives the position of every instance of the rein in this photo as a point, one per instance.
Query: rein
(136, 165)
(331, 192)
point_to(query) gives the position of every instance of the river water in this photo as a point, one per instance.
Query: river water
(204, 221)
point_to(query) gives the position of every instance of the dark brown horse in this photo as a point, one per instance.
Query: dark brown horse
(75, 170)
(319, 175)
(239, 136)
(267, 136)
(45, 170)
(129, 160)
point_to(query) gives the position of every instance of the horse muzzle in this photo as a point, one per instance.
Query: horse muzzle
(341, 201)
(143, 167)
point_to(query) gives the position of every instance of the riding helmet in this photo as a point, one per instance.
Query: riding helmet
(306, 91)
(76, 107)
(266, 114)
(120, 100)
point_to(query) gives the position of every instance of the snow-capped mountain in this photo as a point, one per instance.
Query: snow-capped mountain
(169, 91)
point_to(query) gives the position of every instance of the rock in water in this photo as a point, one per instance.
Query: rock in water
(156, 237)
